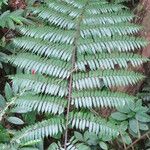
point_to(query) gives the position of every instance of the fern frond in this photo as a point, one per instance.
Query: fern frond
(55, 18)
(44, 104)
(52, 67)
(107, 61)
(78, 4)
(90, 99)
(39, 130)
(48, 49)
(109, 78)
(76, 11)
(107, 18)
(63, 8)
(82, 120)
(75, 53)
(50, 34)
(109, 29)
(41, 84)
(110, 44)
(98, 8)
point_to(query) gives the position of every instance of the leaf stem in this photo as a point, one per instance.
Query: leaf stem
(77, 35)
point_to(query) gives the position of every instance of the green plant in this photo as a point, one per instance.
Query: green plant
(3, 2)
(136, 115)
(81, 47)
(9, 19)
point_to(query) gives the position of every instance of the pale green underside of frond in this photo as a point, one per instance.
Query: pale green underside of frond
(109, 61)
(46, 48)
(43, 104)
(91, 99)
(40, 130)
(110, 44)
(41, 84)
(93, 79)
(94, 43)
(52, 67)
(81, 120)
(109, 78)
(67, 21)
(45, 54)
(75, 12)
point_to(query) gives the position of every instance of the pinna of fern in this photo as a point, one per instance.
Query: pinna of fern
(73, 56)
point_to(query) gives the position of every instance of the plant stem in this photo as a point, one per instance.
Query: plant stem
(77, 35)
(136, 141)
(3, 112)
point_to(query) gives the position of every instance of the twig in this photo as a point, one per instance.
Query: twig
(136, 141)
(124, 145)
(3, 111)
(71, 75)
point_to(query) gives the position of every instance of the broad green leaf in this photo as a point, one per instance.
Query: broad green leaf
(8, 92)
(78, 136)
(143, 117)
(124, 125)
(143, 126)
(2, 101)
(103, 145)
(15, 120)
(126, 139)
(119, 116)
(124, 109)
(133, 124)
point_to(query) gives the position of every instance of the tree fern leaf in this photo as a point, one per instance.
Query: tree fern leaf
(109, 78)
(61, 7)
(91, 99)
(52, 67)
(96, 8)
(44, 104)
(78, 4)
(109, 29)
(72, 55)
(50, 34)
(107, 18)
(41, 84)
(107, 61)
(48, 49)
(82, 120)
(39, 130)
(54, 17)
(120, 43)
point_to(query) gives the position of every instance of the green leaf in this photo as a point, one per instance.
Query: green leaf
(133, 124)
(119, 116)
(124, 109)
(8, 92)
(103, 145)
(143, 126)
(143, 117)
(4, 135)
(124, 125)
(57, 136)
(2, 102)
(15, 120)
(78, 136)
(126, 139)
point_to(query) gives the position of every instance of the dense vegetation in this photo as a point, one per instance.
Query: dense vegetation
(71, 61)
